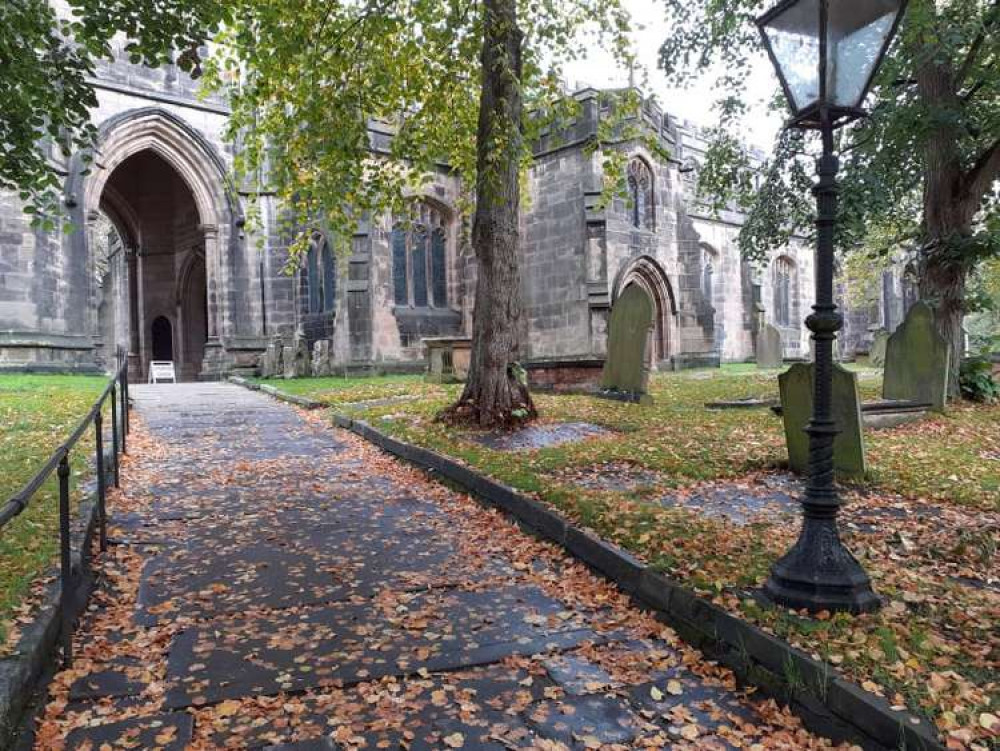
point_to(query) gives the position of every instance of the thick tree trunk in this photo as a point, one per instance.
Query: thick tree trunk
(948, 211)
(494, 395)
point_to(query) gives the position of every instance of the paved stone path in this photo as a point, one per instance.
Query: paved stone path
(276, 583)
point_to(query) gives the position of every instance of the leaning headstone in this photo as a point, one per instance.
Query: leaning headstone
(796, 387)
(876, 352)
(916, 361)
(770, 352)
(625, 373)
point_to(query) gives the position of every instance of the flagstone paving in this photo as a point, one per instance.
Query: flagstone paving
(276, 583)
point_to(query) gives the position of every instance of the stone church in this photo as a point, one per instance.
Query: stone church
(160, 261)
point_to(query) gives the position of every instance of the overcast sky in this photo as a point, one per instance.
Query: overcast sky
(694, 103)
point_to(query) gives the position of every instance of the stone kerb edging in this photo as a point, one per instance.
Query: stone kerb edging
(298, 401)
(827, 703)
(25, 672)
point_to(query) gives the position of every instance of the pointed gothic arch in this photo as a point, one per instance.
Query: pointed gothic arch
(202, 171)
(646, 272)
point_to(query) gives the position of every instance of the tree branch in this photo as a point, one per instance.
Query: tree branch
(984, 172)
(967, 96)
(992, 17)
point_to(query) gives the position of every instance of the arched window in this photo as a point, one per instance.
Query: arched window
(640, 194)
(784, 277)
(329, 264)
(320, 280)
(420, 260)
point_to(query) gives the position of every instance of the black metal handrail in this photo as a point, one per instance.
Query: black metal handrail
(59, 462)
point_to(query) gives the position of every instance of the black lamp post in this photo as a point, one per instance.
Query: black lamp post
(826, 53)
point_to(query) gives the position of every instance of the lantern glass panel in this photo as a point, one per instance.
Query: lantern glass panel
(793, 35)
(857, 31)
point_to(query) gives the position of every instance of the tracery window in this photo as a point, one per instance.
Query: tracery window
(784, 279)
(419, 260)
(640, 194)
(321, 276)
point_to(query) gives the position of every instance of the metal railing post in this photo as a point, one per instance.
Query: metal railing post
(128, 409)
(64, 560)
(101, 490)
(124, 430)
(114, 432)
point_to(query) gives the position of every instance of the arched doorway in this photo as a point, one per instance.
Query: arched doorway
(168, 289)
(165, 187)
(648, 275)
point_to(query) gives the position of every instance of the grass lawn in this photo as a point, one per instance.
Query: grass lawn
(925, 523)
(37, 412)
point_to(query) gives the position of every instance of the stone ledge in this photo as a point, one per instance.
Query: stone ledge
(826, 703)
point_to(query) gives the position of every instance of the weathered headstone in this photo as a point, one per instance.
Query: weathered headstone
(796, 387)
(916, 361)
(295, 359)
(876, 352)
(321, 365)
(625, 373)
(770, 351)
(270, 364)
(448, 358)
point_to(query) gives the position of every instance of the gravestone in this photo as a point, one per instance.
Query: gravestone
(448, 358)
(916, 361)
(796, 387)
(770, 351)
(876, 352)
(625, 374)
(321, 365)
(296, 359)
(270, 364)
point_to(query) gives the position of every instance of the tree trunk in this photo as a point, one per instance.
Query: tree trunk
(494, 394)
(948, 213)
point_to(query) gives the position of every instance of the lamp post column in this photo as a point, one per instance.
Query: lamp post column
(819, 573)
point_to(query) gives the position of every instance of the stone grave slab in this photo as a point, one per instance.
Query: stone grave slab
(626, 374)
(284, 571)
(796, 387)
(485, 704)
(596, 718)
(917, 360)
(354, 642)
(167, 732)
(695, 702)
(619, 477)
(577, 675)
(541, 436)
(770, 352)
(741, 502)
(115, 681)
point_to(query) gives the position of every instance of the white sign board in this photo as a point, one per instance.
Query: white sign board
(162, 371)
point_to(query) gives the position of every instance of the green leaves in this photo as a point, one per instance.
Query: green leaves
(47, 61)
(309, 78)
(918, 131)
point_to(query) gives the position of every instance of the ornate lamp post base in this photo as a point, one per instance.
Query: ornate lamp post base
(819, 573)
